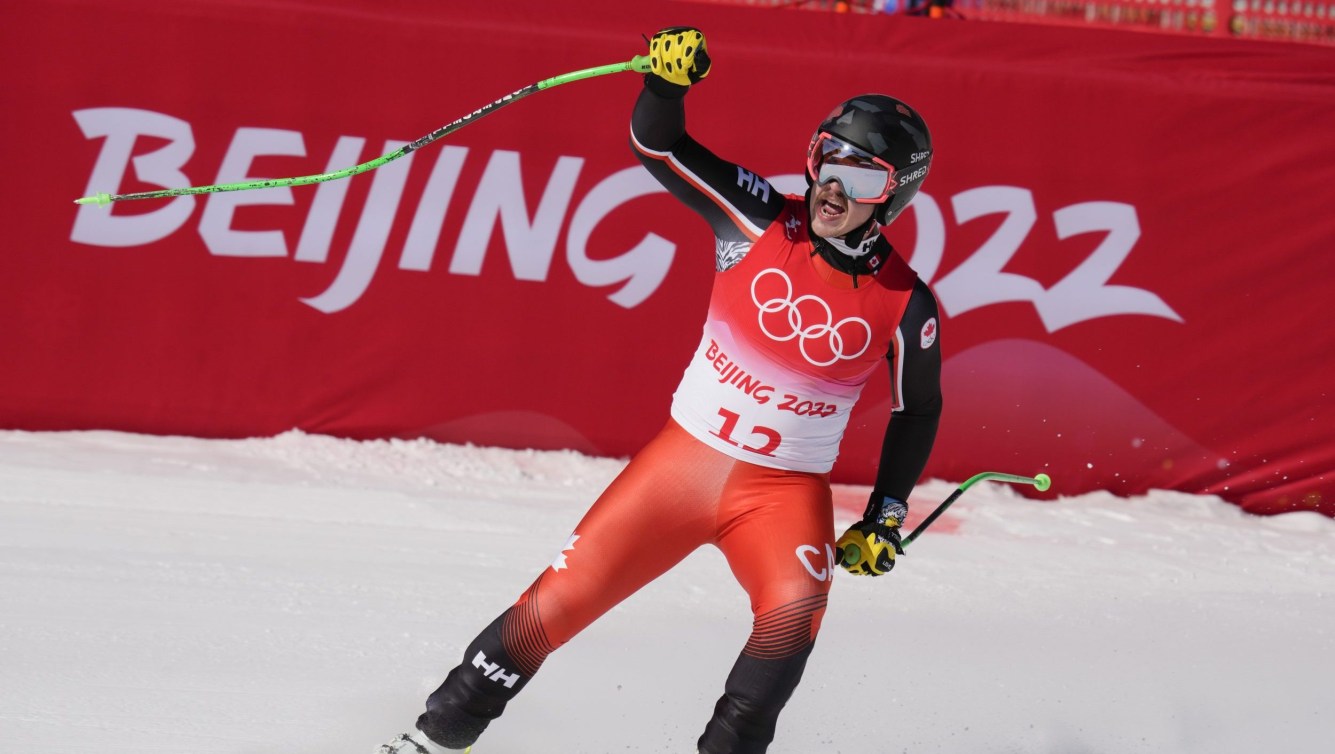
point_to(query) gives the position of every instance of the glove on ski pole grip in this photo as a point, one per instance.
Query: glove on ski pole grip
(851, 553)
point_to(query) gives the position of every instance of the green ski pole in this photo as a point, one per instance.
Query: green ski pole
(1041, 483)
(640, 63)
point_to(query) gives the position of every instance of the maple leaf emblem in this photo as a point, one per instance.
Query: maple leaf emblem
(560, 562)
(928, 334)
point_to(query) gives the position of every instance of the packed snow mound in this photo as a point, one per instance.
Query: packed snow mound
(302, 594)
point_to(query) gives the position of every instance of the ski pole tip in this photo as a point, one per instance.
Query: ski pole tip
(98, 199)
(1042, 482)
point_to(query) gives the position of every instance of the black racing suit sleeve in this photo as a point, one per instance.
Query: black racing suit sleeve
(725, 194)
(912, 430)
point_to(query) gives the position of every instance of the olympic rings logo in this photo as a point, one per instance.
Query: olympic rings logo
(833, 334)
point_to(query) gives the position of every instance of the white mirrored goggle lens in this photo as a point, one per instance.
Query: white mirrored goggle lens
(857, 181)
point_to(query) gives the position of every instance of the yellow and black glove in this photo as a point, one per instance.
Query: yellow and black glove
(678, 56)
(869, 546)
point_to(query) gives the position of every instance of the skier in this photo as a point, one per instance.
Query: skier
(808, 300)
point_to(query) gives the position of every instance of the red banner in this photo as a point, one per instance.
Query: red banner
(1128, 234)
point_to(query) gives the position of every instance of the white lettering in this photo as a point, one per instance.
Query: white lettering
(494, 671)
(480, 662)
(1080, 296)
(420, 249)
(530, 244)
(368, 242)
(643, 267)
(120, 126)
(930, 248)
(215, 225)
(1084, 293)
(979, 280)
(753, 183)
(327, 205)
(911, 177)
(826, 571)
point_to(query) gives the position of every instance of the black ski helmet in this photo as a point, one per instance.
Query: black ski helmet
(892, 131)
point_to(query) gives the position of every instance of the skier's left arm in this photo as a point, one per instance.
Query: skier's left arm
(908, 437)
(912, 429)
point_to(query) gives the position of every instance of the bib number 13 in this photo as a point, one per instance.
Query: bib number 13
(770, 437)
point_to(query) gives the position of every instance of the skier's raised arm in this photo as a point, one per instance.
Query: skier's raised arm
(737, 203)
(807, 303)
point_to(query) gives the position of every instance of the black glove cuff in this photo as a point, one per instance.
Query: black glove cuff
(882, 507)
(664, 88)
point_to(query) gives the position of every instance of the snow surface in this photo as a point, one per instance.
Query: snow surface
(303, 594)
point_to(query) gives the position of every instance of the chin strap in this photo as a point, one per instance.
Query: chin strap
(858, 242)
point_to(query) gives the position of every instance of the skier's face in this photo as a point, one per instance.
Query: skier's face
(833, 214)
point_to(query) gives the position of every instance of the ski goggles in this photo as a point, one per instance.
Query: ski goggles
(864, 177)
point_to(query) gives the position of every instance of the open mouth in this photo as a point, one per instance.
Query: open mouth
(831, 211)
